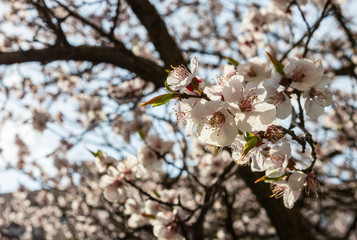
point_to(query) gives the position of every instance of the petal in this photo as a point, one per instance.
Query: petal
(284, 109)
(194, 65)
(232, 91)
(267, 113)
(111, 193)
(313, 109)
(290, 198)
(106, 180)
(256, 88)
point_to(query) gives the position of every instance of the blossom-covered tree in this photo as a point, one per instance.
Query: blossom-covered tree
(252, 133)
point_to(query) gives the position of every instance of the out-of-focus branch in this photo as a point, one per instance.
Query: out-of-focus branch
(45, 14)
(341, 19)
(99, 30)
(159, 35)
(122, 58)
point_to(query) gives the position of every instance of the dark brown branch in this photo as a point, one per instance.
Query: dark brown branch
(44, 13)
(120, 57)
(99, 30)
(158, 33)
(341, 19)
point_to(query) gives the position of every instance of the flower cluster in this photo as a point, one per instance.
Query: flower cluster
(239, 113)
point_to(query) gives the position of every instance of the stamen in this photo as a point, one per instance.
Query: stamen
(278, 190)
(247, 103)
(180, 72)
(217, 119)
(298, 75)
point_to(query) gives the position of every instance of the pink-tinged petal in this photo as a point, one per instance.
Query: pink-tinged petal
(113, 171)
(189, 127)
(297, 180)
(226, 135)
(258, 161)
(203, 109)
(325, 80)
(245, 122)
(275, 173)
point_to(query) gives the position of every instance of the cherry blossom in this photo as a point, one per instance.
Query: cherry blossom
(253, 70)
(304, 73)
(247, 104)
(180, 77)
(277, 97)
(215, 125)
(166, 226)
(113, 185)
(317, 98)
(290, 190)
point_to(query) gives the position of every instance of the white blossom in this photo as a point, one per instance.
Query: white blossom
(290, 190)
(247, 104)
(166, 227)
(278, 98)
(317, 98)
(180, 77)
(148, 158)
(215, 125)
(304, 73)
(253, 70)
(113, 185)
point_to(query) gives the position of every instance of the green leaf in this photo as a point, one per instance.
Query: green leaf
(270, 179)
(248, 136)
(252, 142)
(232, 61)
(96, 154)
(141, 134)
(279, 67)
(160, 100)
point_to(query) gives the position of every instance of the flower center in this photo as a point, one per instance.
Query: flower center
(117, 183)
(247, 103)
(217, 119)
(298, 75)
(251, 72)
(180, 72)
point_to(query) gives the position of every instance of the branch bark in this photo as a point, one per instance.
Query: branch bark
(157, 30)
(119, 57)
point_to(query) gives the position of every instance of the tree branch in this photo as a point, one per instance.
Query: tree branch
(119, 57)
(159, 35)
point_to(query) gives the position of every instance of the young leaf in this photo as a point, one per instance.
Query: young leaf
(159, 100)
(279, 67)
(96, 154)
(232, 61)
(250, 144)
